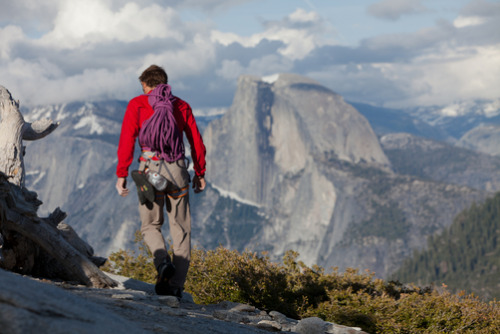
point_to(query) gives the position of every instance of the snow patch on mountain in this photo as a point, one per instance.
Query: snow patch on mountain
(92, 122)
(437, 115)
(209, 112)
(54, 112)
(234, 196)
(487, 109)
(492, 109)
(270, 79)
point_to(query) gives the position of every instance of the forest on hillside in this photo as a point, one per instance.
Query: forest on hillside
(464, 257)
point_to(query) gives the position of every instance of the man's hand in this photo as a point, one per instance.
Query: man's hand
(121, 186)
(199, 184)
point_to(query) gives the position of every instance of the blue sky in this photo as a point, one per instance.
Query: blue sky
(395, 53)
(350, 19)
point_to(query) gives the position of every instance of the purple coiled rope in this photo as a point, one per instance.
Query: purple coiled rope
(160, 133)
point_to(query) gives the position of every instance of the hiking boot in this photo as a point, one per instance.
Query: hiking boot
(177, 292)
(165, 272)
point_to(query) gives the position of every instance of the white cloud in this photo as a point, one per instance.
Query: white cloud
(189, 60)
(452, 78)
(481, 8)
(371, 83)
(227, 38)
(394, 9)
(86, 50)
(429, 80)
(301, 16)
(230, 70)
(30, 14)
(9, 35)
(80, 22)
(209, 5)
(468, 21)
(264, 66)
(96, 49)
(301, 32)
(44, 83)
(270, 64)
(441, 76)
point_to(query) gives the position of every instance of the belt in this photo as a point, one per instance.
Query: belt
(178, 193)
(174, 194)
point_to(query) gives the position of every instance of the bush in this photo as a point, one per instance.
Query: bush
(127, 263)
(348, 298)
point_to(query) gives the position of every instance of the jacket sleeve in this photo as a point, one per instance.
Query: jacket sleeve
(198, 151)
(128, 135)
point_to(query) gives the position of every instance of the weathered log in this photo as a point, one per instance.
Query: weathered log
(29, 241)
(76, 264)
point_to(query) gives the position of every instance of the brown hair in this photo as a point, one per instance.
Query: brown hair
(153, 76)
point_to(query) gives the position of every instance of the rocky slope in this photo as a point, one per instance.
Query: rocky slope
(438, 161)
(483, 138)
(31, 306)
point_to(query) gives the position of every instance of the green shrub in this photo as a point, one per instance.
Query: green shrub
(127, 263)
(348, 298)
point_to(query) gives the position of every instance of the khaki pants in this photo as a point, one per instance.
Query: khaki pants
(176, 200)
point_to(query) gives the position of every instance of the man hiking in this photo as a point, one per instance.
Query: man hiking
(159, 119)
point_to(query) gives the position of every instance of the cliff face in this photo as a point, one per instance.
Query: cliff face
(265, 150)
(314, 166)
(274, 130)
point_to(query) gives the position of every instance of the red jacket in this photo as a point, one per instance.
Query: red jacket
(139, 110)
